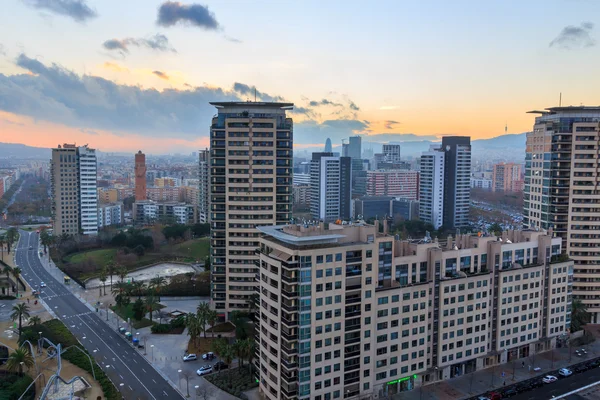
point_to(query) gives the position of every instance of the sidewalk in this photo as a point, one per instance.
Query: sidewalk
(494, 377)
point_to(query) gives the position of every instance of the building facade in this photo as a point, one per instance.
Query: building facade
(148, 212)
(301, 195)
(354, 147)
(140, 176)
(204, 186)
(560, 192)
(74, 191)
(110, 215)
(347, 311)
(507, 178)
(251, 185)
(481, 183)
(391, 153)
(330, 182)
(431, 187)
(398, 183)
(457, 180)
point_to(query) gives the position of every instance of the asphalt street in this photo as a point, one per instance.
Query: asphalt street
(562, 386)
(131, 373)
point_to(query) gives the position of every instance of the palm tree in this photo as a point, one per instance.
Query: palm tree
(16, 272)
(11, 237)
(19, 358)
(227, 354)
(193, 325)
(7, 270)
(45, 239)
(122, 272)
(2, 244)
(35, 321)
(20, 311)
(157, 284)
(579, 315)
(218, 347)
(151, 305)
(211, 317)
(111, 266)
(251, 353)
(137, 288)
(202, 313)
(103, 278)
(120, 291)
(238, 349)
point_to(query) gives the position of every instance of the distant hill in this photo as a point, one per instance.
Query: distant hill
(17, 150)
(513, 141)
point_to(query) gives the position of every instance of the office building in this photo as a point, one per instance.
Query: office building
(330, 182)
(110, 215)
(301, 179)
(140, 176)
(74, 192)
(391, 153)
(349, 312)
(481, 183)
(251, 185)
(398, 183)
(204, 186)
(507, 178)
(431, 187)
(328, 148)
(355, 147)
(446, 183)
(560, 192)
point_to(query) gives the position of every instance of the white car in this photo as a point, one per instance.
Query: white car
(207, 369)
(208, 356)
(190, 357)
(42, 284)
(549, 379)
(565, 372)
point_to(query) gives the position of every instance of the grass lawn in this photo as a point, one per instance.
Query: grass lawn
(194, 250)
(100, 257)
(127, 312)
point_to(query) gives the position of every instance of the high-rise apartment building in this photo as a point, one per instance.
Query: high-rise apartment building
(330, 181)
(140, 176)
(355, 147)
(204, 186)
(74, 190)
(507, 178)
(399, 183)
(454, 185)
(347, 311)
(561, 190)
(431, 187)
(391, 153)
(251, 186)
(328, 148)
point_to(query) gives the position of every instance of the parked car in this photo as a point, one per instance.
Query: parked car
(190, 357)
(578, 353)
(549, 379)
(220, 365)
(42, 284)
(208, 356)
(207, 369)
(510, 393)
(565, 372)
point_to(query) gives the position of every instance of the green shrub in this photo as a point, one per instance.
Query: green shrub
(178, 322)
(160, 328)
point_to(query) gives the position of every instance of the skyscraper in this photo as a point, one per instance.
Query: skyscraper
(251, 185)
(140, 176)
(561, 190)
(328, 148)
(391, 153)
(74, 190)
(330, 180)
(204, 186)
(355, 147)
(507, 178)
(431, 187)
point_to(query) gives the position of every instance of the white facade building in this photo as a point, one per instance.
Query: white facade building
(110, 214)
(481, 183)
(88, 190)
(431, 187)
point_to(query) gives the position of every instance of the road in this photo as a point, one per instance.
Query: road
(563, 386)
(131, 373)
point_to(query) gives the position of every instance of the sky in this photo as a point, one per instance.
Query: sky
(138, 74)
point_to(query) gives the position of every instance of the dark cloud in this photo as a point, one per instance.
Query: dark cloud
(157, 42)
(390, 124)
(250, 91)
(161, 75)
(353, 106)
(76, 9)
(172, 12)
(313, 132)
(574, 37)
(399, 137)
(9, 122)
(324, 102)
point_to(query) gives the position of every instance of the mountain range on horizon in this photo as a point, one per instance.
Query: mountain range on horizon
(507, 145)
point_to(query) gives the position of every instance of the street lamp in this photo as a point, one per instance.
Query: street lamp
(179, 376)
(152, 347)
(196, 391)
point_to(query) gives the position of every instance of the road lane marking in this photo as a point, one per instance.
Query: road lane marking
(165, 393)
(144, 370)
(121, 376)
(153, 381)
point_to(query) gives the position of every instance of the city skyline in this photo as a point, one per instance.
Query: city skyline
(126, 76)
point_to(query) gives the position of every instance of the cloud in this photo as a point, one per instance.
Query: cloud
(399, 137)
(9, 122)
(76, 9)
(250, 91)
(314, 132)
(88, 131)
(574, 37)
(157, 42)
(2, 51)
(353, 106)
(388, 107)
(232, 39)
(172, 12)
(390, 124)
(324, 102)
(115, 67)
(161, 75)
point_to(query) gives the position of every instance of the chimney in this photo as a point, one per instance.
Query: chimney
(449, 242)
(377, 226)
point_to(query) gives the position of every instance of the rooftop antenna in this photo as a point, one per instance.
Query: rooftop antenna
(255, 94)
(505, 128)
(560, 99)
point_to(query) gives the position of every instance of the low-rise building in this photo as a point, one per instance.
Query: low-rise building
(148, 212)
(301, 195)
(110, 214)
(393, 182)
(348, 311)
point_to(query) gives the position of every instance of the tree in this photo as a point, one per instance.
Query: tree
(227, 356)
(35, 321)
(193, 325)
(579, 315)
(211, 319)
(239, 349)
(202, 313)
(20, 311)
(18, 359)
(251, 353)
(122, 273)
(157, 284)
(495, 228)
(151, 305)
(111, 266)
(138, 310)
(218, 347)
(16, 272)
(137, 287)
(2, 244)
(120, 292)
(7, 270)
(45, 239)
(11, 236)
(103, 279)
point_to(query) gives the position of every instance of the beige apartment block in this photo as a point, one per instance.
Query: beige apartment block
(250, 186)
(561, 190)
(347, 310)
(507, 178)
